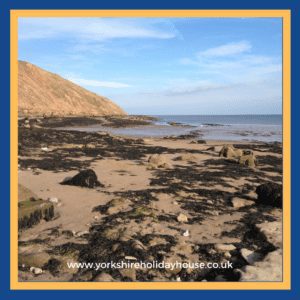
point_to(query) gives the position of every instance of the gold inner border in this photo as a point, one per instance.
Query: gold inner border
(284, 285)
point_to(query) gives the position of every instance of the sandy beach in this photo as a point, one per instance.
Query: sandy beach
(159, 199)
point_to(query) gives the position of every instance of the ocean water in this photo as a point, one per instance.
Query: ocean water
(265, 128)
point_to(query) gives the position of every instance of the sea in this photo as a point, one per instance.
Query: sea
(263, 128)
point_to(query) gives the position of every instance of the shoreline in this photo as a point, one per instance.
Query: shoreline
(149, 127)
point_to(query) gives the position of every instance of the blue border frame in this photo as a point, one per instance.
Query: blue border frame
(5, 6)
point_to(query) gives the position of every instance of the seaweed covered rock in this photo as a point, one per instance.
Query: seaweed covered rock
(229, 151)
(32, 211)
(86, 178)
(269, 194)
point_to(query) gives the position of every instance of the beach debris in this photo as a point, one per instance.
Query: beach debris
(130, 258)
(182, 218)
(86, 178)
(224, 247)
(186, 233)
(53, 200)
(229, 151)
(36, 271)
(248, 160)
(240, 202)
(269, 193)
(81, 233)
(45, 149)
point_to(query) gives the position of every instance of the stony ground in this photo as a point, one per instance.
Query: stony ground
(159, 199)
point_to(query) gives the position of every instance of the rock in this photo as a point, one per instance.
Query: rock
(227, 255)
(186, 233)
(247, 160)
(157, 160)
(209, 202)
(129, 273)
(117, 205)
(182, 218)
(187, 157)
(214, 213)
(211, 251)
(272, 231)
(213, 148)
(269, 269)
(137, 245)
(230, 152)
(269, 194)
(112, 234)
(171, 262)
(81, 233)
(37, 259)
(36, 271)
(224, 247)
(175, 202)
(250, 256)
(53, 200)
(103, 277)
(86, 178)
(201, 142)
(240, 202)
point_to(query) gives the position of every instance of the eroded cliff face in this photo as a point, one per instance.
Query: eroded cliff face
(44, 93)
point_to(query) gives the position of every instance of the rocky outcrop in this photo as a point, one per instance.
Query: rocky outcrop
(86, 178)
(43, 93)
(32, 211)
(229, 151)
(158, 161)
(247, 160)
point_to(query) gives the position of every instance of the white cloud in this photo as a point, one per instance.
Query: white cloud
(94, 29)
(97, 83)
(227, 49)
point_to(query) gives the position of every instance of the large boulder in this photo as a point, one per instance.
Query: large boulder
(269, 194)
(230, 152)
(86, 178)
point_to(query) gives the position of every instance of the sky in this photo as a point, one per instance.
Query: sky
(168, 66)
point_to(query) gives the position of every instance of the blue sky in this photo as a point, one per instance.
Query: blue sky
(164, 66)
